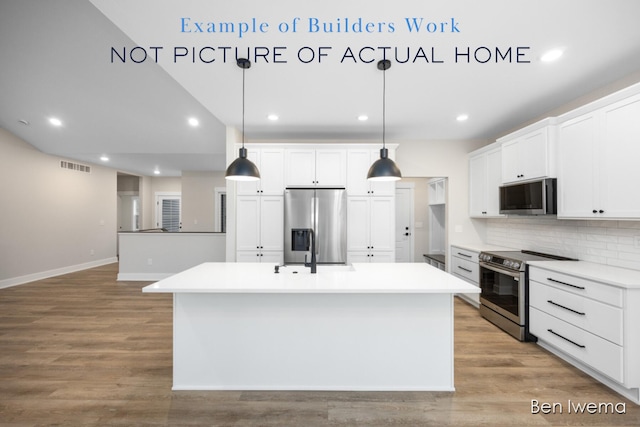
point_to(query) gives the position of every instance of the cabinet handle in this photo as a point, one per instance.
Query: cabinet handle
(566, 284)
(566, 339)
(594, 211)
(465, 269)
(566, 308)
(407, 234)
(465, 255)
(601, 211)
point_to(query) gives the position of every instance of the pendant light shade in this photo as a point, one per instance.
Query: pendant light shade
(384, 169)
(242, 169)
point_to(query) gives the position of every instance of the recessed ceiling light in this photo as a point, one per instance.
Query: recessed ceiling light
(462, 117)
(157, 171)
(104, 158)
(363, 117)
(551, 55)
(193, 121)
(273, 117)
(55, 121)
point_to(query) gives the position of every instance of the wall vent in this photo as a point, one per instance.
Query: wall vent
(75, 166)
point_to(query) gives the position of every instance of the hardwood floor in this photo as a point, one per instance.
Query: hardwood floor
(83, 349)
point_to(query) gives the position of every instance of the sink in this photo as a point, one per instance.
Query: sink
(300, 269)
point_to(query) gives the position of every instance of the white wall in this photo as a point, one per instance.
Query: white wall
(52, 220)
(198, 200)
(445, 159)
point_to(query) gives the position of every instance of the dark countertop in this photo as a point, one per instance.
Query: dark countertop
(437, 257)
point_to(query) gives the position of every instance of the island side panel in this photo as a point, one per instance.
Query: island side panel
(313, 341)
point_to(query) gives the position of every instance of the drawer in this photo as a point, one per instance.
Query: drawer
(579, 286)
(464, 254)
(600, 354)
(465, 269)
(600, 319)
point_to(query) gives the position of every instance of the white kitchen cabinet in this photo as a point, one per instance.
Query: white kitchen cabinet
(260, 228)
(371, 228)
(485, 178)
(597, 163)
(270, 163)
(359, 160)
(315, 167)
(589, 321)
(464, 265)
(529, 153)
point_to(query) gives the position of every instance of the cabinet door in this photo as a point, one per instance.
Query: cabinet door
(478, 185)
(272, 223)
(300, 167)
(275, 257)
(331, 167)
(248, 223)
(251, 188)
(358, 223)
(271, 171)
(576, 173)
(358, 164)
(383, 224)
(493, 182)
(358, 256)
(382, 256)
(248, 256)
(533, 155)
(619, 152)
(511, 161)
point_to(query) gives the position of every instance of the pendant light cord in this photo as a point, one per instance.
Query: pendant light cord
(384, 105)
(243, 71)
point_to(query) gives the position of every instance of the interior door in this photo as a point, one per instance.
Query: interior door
(404, 225)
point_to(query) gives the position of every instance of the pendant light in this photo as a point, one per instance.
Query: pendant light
(384, 169)
(242, 169)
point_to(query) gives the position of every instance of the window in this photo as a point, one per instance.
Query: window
(168, 211)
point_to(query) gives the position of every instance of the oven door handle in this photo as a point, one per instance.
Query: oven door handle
(514, 274)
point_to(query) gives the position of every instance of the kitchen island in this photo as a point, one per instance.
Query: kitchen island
(241, 326)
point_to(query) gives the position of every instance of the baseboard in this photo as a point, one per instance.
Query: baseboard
(14, 281)
(142, 277)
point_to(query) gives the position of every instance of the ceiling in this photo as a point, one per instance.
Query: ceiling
(57, 61)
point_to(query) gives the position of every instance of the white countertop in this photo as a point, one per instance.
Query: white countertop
(214, 277)
(616, 276)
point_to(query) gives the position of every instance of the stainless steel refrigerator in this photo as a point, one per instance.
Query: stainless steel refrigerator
(325, 211)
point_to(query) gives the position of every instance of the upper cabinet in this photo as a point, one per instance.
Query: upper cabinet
(485, 178)
(315, 167)
(270, 163)
(529, 153)
(359, 160)
(597, 162)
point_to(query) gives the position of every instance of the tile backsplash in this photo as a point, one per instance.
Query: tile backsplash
(614, 243)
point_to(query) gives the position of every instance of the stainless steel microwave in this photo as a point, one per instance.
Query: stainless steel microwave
(529, 198)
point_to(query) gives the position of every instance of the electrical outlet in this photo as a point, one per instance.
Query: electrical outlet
(636, 242)
(150, 261)
(92, 252)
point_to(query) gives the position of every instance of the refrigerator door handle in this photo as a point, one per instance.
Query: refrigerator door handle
(316, 209)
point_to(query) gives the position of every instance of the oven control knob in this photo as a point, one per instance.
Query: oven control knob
(516, 266)
(506, 263)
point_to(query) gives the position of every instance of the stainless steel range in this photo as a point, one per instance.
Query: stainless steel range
(504, 283)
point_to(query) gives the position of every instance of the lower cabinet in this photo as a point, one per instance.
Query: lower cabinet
(591, 324)
(370, 256)
(464, 264)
